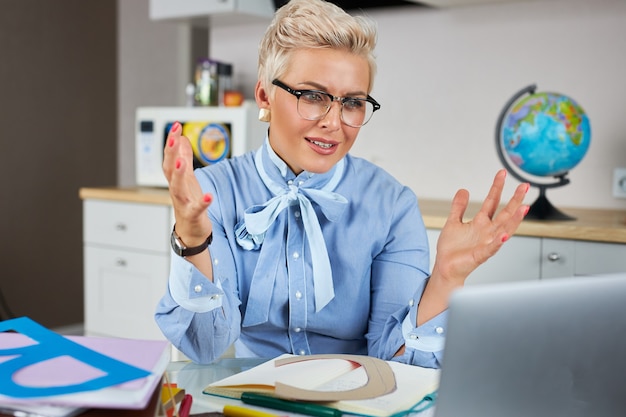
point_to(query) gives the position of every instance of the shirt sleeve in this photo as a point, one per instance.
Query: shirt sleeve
(195, 314)
(423, 344)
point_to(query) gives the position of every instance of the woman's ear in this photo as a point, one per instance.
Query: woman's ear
(262, 100)
(261, 95)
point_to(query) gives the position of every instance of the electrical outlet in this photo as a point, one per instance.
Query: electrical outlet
(619, 183)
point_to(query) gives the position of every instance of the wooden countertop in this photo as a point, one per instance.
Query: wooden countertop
(599, 225)
(148, 195)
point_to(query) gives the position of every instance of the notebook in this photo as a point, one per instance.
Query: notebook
(544, 348)
(328, 375)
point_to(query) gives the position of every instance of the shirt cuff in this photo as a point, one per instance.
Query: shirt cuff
(191, 289)
(429, 337)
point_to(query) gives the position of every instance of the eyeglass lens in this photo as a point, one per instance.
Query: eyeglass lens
(355, 112)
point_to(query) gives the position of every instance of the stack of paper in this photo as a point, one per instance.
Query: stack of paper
(53, 375)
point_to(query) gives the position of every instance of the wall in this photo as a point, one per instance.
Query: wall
(154, 59)
(444, 76)
(57, 112)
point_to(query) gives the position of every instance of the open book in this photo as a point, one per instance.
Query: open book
(412, 383)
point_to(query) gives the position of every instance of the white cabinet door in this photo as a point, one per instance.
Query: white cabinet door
(600, 258)
(122, 289)
(517, 260)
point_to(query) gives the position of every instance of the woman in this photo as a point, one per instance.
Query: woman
(313, 250)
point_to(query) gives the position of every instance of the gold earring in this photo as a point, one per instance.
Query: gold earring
(265, 115)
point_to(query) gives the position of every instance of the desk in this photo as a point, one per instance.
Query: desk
(193, 378)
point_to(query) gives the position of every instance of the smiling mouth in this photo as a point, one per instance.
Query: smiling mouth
(321, 144)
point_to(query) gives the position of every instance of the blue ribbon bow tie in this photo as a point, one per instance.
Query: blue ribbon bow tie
(258, 219)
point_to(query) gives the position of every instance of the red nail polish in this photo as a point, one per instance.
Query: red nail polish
(177, 164)
(170, 143)
(174, 127)
(207, 198)
(505, 238)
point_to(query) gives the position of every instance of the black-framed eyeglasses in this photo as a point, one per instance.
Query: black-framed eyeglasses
(315, 104)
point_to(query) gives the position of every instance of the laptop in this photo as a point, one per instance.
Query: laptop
(543, 348)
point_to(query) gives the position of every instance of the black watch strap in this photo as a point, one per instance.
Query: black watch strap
(182, 250)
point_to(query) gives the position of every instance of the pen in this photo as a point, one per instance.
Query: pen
(309, 409)
(236, 411)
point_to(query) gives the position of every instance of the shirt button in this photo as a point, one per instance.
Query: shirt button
(297, 330)
(215, 261)
(214, 297)
(290, 182)
(197, 288)
(301, 352)
(298, 295)
(297, 214)
(300, 183)
(295, 255)
(411, 302)
(439, 330)
(413, 337)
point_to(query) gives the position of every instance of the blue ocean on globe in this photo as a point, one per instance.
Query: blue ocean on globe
(546, 134)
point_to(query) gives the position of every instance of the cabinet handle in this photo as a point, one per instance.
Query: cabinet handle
(553, 257)
(121, 262)
(120, 227)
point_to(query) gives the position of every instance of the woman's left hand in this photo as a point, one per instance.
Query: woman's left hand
(463, 246)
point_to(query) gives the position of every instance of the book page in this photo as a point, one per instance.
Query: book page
(306, 374)
(413, 383)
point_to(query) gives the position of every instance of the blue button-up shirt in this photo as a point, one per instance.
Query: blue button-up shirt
(264, 301)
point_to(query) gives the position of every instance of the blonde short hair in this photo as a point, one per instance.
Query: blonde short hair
(304, 24)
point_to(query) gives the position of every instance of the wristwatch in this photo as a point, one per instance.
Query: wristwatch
(181, 249)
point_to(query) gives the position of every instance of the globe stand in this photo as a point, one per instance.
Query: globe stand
(541, 209)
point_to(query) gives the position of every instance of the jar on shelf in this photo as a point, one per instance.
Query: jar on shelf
(206, 80)
(225, 80)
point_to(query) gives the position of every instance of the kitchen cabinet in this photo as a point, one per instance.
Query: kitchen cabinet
(212, 12)
(561, 258)
(532, 258)
(126, 255)
(593, 243)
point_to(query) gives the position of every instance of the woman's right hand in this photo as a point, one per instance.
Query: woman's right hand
(189, 202)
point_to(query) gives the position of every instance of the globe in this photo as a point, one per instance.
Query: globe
(542, 134)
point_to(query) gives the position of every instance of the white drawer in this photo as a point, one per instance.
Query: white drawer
(128, 225)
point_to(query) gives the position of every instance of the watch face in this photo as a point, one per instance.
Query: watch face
(177, 245)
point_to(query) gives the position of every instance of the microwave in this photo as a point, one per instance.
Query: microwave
(215, 133)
